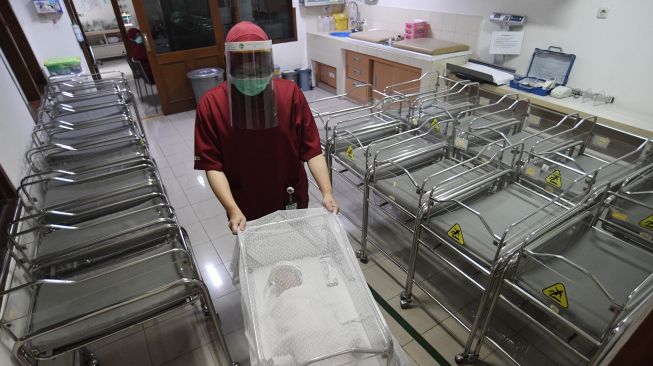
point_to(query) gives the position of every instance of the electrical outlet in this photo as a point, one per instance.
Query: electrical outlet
(602, 13)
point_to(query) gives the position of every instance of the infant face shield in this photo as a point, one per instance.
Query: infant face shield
(251, 94)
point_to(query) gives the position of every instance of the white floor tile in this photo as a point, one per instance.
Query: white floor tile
(177, 198)
(197, 234)
(206, 256)
(202, 356)
(225, 246)
(195, 179)
(216, 227)
(173, 337)
(183, 169)
(218, 281)
(186, 215)
(238, 346)
(207, 209)
(182, 155)
(201, 194)
(230, 312)
(130, 350)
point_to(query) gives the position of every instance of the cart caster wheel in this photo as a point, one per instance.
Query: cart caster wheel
(463, 359)
(404, 301)
(361, 256)
(235, 364)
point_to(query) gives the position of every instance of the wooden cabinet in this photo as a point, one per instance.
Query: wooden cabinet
(382, 76)
(326, 75)
(379, 73)
(358, 66)
(356, 91)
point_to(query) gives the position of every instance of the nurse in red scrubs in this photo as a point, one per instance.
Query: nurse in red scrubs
(253, 135)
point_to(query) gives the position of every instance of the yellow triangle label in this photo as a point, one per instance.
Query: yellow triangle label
(456, 233)
(350, 153)
(554, 179)
(557, 293)
(647, 223)
(435, 125)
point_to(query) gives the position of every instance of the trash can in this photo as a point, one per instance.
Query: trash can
(304, 78)
(204, 80)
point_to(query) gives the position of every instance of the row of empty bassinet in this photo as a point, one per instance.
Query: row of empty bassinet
(97, 246)
(553, 208)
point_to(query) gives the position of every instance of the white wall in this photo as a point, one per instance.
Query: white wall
(292, 55)
(15, 127)
(612, 54)
(47, 38)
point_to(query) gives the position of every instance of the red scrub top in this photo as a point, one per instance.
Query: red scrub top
(259, 164)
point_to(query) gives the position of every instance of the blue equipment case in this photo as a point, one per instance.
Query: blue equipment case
(546, 65)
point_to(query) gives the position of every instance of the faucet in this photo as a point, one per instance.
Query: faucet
(358, 23)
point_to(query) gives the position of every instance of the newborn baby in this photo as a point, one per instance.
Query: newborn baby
(306, 321)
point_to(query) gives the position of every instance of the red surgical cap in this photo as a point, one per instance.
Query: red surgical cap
(245, 32)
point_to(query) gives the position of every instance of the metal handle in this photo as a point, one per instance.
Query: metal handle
(356, 71)
(146, 40)
(356, 59)
(552, 48)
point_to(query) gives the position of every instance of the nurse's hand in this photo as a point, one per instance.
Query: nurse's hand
(330, 203)
(236, 220)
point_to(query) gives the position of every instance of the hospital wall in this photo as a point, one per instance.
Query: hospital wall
(613, 54)
(292, 55)
(50, 35)
(15, 125)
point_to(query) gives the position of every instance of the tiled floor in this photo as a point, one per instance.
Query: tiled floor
(185, 339)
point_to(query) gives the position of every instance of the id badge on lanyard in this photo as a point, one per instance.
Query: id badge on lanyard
(292, 203)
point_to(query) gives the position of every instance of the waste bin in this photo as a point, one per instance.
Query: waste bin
(203, 80)
(304, 79)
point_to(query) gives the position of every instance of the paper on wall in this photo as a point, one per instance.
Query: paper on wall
(506, 43)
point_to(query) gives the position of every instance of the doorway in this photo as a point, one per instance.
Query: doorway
(110, 29)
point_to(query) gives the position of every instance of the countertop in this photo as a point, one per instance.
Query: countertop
(390, 49)
(611, 115)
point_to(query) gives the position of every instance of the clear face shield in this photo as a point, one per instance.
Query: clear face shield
(249, 75)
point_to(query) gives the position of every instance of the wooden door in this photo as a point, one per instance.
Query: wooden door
(382, 76)
(180, 35)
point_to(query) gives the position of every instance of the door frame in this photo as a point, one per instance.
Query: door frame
(155, 58)
(19, 55)
(86, 48)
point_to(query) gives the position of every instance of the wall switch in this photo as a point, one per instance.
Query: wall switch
(602, 13)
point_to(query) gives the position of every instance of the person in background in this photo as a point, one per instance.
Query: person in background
(138, 50)
(253, 135)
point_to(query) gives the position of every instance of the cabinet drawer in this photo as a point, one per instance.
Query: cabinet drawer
(358, 66)
(327, 75)
(360, 94)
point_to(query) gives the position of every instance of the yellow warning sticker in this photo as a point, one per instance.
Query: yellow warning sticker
(619, 216)
(456, 233)
(350, 153)
(554, 179)
(435, 125)
(558, 294)
(647, 223)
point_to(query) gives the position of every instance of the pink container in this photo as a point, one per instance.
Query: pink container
(412, 31)
(417, 25)
(414, 36)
